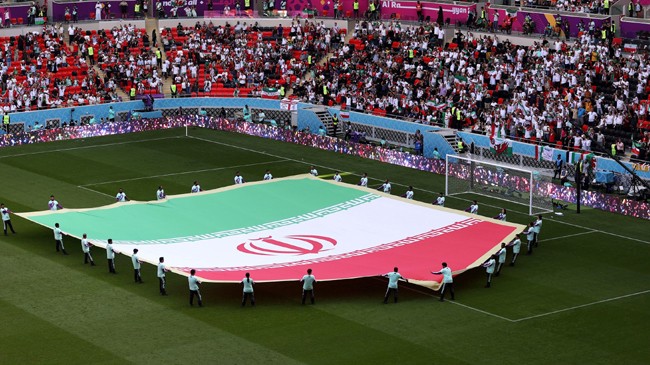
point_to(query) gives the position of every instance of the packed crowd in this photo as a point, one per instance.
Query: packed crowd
(39, 71)
(555, 92)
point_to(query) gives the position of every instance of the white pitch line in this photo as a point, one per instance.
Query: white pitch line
(456, 303)
(567, 236)
(419, 189)
(582, 306)
(95, 191)
(87, 147)
(183, 173)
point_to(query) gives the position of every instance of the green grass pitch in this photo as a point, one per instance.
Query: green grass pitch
(583, 297)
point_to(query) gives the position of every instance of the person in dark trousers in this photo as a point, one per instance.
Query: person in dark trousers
(110, 256)
(248, 283)
(501, 256)
(393, 278)
(308, 286)
(161, 276)
(558, 167)
(136, 267)
(530, 236)
(194, 288)
(516, 247)
(447, 282)
(58, 238)
(85, 247)
(6, 219)
(489, 269)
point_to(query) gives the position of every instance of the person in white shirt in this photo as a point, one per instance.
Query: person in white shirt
(110, 256)
(160, 193)
(393, 278)
(121, 196)
(53, 204)
(58, 238)
(196, 188)
(473, 208)
(267, 175)
(364, 180)
(161, 275)
(337, 177)
(248, 283)
(6, 219)
(489, 269)
(313, 171)
(409, 193)
(85, 247)
(238, 178)
(193, 283)
(516, 247)
(136, 266)
(501, 255)
(440, 200)
(308, 286)
(502, 215)
(447, 281)
(385, 187)
(537, 227)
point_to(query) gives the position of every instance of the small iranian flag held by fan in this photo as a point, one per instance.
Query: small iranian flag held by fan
(543, 153)
(270, 93)
(499, 145)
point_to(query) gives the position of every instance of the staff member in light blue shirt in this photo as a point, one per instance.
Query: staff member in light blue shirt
(136, 266)
(501, 256)
(58, 238)
(393, 278)
(248, 283)
(516, 247)
(161, 276)
(6, 219)
(85, 247)
(308, 286)
(537, 227)
(447, 281)
(489, 266)
(530, 236)
(110, 256)
(193, 283)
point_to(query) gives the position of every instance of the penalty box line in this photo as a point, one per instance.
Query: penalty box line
(181, 173)
(405, 185)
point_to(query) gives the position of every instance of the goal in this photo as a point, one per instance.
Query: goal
(464, 175)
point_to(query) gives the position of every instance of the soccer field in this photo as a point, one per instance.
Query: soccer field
(583, 297)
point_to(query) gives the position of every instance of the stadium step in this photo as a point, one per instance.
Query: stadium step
(326, 119)
(451, 138)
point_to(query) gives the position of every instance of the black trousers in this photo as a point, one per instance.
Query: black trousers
(59, 246)
(444, 288)
(196, 293)
(163, 289)
(530, 246)
(7, 224)
(489, 280)
(111, 266)
(136, 276)
(88, 258)
(245, 298)
(394, 291)
(308, 292)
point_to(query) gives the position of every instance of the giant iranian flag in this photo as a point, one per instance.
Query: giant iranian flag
(278, 229)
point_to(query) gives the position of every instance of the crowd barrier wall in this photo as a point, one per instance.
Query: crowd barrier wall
(631, 27)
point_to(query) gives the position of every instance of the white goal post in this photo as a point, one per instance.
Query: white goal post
(465, 175)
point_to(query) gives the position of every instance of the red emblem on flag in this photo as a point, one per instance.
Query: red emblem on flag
(289, 245)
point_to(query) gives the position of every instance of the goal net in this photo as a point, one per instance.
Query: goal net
(464, 175)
